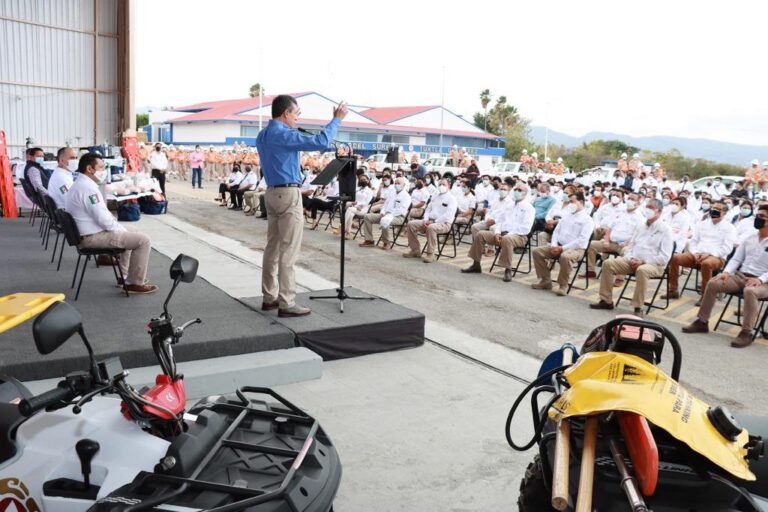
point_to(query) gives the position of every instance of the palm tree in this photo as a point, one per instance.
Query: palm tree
(485, 99)
(255, 90)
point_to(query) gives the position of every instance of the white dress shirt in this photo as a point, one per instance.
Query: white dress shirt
(625, 224)
(607, 214)
(442, 208)
(235, 178)
(59, 184)
(466, 202)
(87, 207)
(158, 160)
(745, 228)
(496, 211)
(517, 220)
(573, 231)
(420, 195)
(715, 239)
(387, 192)
(363, 196)
(751, 258)
(680, 224)
(481, 192)
(397, 203)
(651, 244)
(249, 181)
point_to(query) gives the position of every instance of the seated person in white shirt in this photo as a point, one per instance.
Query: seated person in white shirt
(62, 178)
(606, 214)
(493, 213)
(733, 209)
(321, 201)
(466, 201)
(383, 192)
(569, 241)
(254, 196)
(230, 185)
(248, 183)
(99, 229)
(419, 198)
(307, 189)
(712, 242)
(482, 189)
(554, 215)
(510, 232)
(438, 218)
(646, 255)
(360, 206)
(393, 213)
(745, 222)
(680, 222)
(616, 233)
(746, 272)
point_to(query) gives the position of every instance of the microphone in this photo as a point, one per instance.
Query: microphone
(305, 132)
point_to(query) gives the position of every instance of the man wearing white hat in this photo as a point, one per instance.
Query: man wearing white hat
(751, 175)
(622, 163)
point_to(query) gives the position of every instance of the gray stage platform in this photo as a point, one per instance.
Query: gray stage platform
(365, 327)
(115, 324)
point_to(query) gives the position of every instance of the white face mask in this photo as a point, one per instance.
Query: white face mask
(675, 208)
(443, 189)
(100, 176)
(72, 165)
(649, 214)
(571, 208)
(615, 200)
(631, 205)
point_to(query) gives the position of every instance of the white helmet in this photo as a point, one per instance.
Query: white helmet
(657, 165)
(623, 155)
(559, 159)
(535, 155)
(755, 162)
(547, 159)
(455, 146)
(765, 164)
(636, 155)
(525, 151)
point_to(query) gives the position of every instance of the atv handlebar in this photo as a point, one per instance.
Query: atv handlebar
(63, 392)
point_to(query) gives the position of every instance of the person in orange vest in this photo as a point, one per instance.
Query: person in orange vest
(227, 162)
(762, 177)
(525, 161)
(182, 160)
(559, 167)
(453, 157)
(171, 154)
(658, 171)
(548, 165)
(210, 164)
(622, 164)
(751, 174)
(144, 158)
(534, 162)
(635, 164)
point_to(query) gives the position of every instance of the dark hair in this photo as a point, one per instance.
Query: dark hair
(235, 168)
(248, 168)
(682, 200)
(721, 203)
(88, 159)
(763, 208)
(282, 103)
(509, 181)
(579, 196)
(61, 152)
(32, 151)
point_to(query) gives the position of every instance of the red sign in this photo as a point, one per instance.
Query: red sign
(7, 192)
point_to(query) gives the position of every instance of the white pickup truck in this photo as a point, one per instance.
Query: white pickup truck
(439, 164)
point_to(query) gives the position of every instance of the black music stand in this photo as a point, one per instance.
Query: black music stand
(344, 167)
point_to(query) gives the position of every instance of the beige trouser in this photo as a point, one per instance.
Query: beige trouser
(508, 244)
(352, 212)
(208, 169)
(418, 226)
(597, 246)
(544, 238)
(374, 218)
(732, 284)
(620, 267)
(542, 254)
(251, 198)
(478, 227)
(417, 213)
(133, 262)
(285, 226)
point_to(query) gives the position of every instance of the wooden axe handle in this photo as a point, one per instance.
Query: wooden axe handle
(587, 472)
(561, 464)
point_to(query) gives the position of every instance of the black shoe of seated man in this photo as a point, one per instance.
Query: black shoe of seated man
(507, 275)
(269, 306)
(601, 305)
(474, 268)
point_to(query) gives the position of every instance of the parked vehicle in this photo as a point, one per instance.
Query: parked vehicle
(727, 181)
(619, 434)
(95, 443)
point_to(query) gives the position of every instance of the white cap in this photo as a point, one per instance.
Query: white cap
(547, 159)
(623, 155)
(559, 159)
(525, 151)
(657, 165)
(755, 162)
(455, 146)
(636, 155)
(535, 155)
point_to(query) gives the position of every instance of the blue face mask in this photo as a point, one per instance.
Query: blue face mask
(518, 194)
(39, 160)
(398, 187)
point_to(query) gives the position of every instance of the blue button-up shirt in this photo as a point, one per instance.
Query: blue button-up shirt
(279, 145)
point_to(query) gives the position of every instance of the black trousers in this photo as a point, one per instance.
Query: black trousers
(319, 204)
(236, 197)
(160, 175)
(263, 205)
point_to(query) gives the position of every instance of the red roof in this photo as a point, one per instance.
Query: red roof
(226, 109)
(386, 115)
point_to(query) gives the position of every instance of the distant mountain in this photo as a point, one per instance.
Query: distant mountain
(715, 150)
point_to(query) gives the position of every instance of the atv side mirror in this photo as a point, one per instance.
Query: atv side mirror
(184, 268)
(54, 326)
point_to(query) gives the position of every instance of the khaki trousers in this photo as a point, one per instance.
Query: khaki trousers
(374, 218)
(418, 226)
(707, 266)
(251, 198)
(133, 262)
(352, 212)
(566, 259)
(597, 246)
(478, 227)
(620, 267)
(733, 284)
(285, 227)
(508, 244)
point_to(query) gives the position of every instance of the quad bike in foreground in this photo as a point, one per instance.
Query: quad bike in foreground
(95, 443)
(618, 434)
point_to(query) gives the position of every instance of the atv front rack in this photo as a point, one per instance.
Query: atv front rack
(261, 445)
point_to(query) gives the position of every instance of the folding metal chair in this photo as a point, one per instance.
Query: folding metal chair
(526, 250)
(396, 229)
(444, 237)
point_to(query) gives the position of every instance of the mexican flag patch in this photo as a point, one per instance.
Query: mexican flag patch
(94, 198)
(63, 189)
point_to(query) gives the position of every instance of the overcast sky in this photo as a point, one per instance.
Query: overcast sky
(684, 68)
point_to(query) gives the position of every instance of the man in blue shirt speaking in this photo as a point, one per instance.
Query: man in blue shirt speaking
(279, 145)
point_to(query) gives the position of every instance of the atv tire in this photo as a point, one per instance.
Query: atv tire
(534, 496)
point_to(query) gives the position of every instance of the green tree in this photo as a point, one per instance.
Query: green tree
(485, 99)
(518, 138)
(142, 120)
(255, 90)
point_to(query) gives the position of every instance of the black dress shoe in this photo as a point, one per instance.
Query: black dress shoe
(269, 306)
(472, 269)
(507, 275)
(601, 305)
